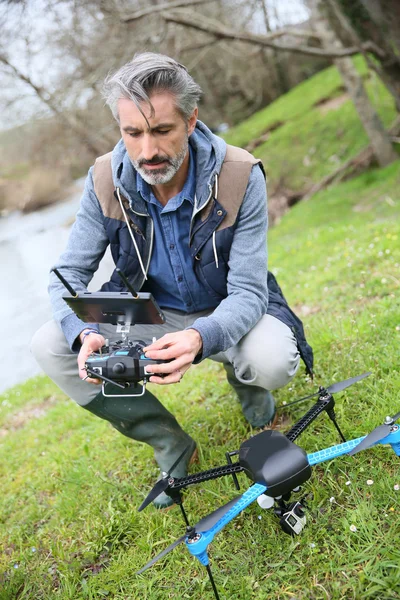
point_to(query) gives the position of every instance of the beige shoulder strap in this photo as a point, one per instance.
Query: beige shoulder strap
(104, 187)
(232, 181)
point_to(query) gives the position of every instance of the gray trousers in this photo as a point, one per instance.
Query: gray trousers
(265, 359)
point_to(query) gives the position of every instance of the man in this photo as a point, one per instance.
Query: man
(186, 218)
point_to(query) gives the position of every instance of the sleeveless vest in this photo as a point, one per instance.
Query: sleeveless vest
(211, 234)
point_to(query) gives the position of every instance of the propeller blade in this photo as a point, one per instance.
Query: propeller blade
(162, 484)
(209, 521)
(178, 460)
(332, 389)
(375, 436)
(396, 416)
(299, 400)
(161, 554)
(203, 525)
(342, 385)
(159, 488)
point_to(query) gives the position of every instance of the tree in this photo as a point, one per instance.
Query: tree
(379, 138)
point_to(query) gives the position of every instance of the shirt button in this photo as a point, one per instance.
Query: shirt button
(180, 278)
(171, 246)
(188, 304)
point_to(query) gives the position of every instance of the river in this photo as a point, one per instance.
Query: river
(29, 246)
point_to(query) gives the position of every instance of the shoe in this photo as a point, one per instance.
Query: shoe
(163, 501)
(258, 404)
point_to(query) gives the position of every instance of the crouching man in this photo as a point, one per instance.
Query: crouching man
(185, 216)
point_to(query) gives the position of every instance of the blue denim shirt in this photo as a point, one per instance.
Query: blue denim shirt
(171, 278)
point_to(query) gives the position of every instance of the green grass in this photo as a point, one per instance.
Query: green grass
(311, 144)
(71, 485)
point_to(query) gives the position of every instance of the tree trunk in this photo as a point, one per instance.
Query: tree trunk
(378, 137)
(377, 21)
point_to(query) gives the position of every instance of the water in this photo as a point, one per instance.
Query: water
(29, 246)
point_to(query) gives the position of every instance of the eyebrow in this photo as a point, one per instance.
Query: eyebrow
(130, 129)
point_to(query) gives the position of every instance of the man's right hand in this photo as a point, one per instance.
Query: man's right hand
(91, 343)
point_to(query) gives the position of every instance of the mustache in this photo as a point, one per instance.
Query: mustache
(154, 161)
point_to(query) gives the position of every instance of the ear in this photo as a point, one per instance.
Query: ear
(192, 121)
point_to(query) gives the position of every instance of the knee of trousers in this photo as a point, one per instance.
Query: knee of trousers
(52, 353)
(48, 346)
(269, 361)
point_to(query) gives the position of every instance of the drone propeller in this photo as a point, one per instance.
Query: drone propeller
(203, 525)
(376, 435)
(162, 484)
(332, 389)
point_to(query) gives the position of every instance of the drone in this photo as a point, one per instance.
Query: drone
(276, 466)
(272, 461)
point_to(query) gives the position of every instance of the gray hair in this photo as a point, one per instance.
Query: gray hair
(147, 73)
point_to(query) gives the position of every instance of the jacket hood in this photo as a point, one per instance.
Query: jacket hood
(209, 150)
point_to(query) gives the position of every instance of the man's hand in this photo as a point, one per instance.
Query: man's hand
(91, 343)
(182, 347)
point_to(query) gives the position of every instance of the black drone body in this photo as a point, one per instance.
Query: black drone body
(270, 458)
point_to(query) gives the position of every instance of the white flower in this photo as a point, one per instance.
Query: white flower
(348, 482)
(369, 482)
(396, 487)
(332, 499)
(353, 528)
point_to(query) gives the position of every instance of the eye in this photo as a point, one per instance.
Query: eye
(134, 135)
(164, 131)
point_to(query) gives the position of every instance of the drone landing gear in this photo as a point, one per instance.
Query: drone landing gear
(210, 575)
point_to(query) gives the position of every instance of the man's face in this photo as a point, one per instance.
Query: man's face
(156, 152)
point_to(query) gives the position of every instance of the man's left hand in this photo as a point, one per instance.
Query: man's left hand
(181, 348)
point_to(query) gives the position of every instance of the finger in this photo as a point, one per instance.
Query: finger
(174, 377)
(85, 377)
(180, 364)
(161, 343)
(172, 351)
(93, 381)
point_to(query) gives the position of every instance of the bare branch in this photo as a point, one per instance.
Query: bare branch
(161, 8)
(264, 40)
(46, 98)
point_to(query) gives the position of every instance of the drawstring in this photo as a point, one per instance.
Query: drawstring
(131, 234)
(215, 251)
(213, 237)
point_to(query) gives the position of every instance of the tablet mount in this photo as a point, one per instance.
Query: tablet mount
(119, 364)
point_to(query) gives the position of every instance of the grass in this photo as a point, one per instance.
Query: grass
(71, 485)
(310, 143)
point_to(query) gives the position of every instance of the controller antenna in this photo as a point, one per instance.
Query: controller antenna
(126, 282)
(65, 283)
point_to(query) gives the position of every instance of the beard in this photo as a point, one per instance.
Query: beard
(165, 173)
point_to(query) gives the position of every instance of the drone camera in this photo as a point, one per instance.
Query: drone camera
(294, 520)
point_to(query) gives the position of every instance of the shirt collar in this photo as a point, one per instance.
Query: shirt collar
(187, 193)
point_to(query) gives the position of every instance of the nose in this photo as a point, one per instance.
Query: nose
(149, 147)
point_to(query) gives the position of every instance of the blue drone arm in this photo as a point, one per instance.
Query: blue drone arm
(198, 546)
(334, 451)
